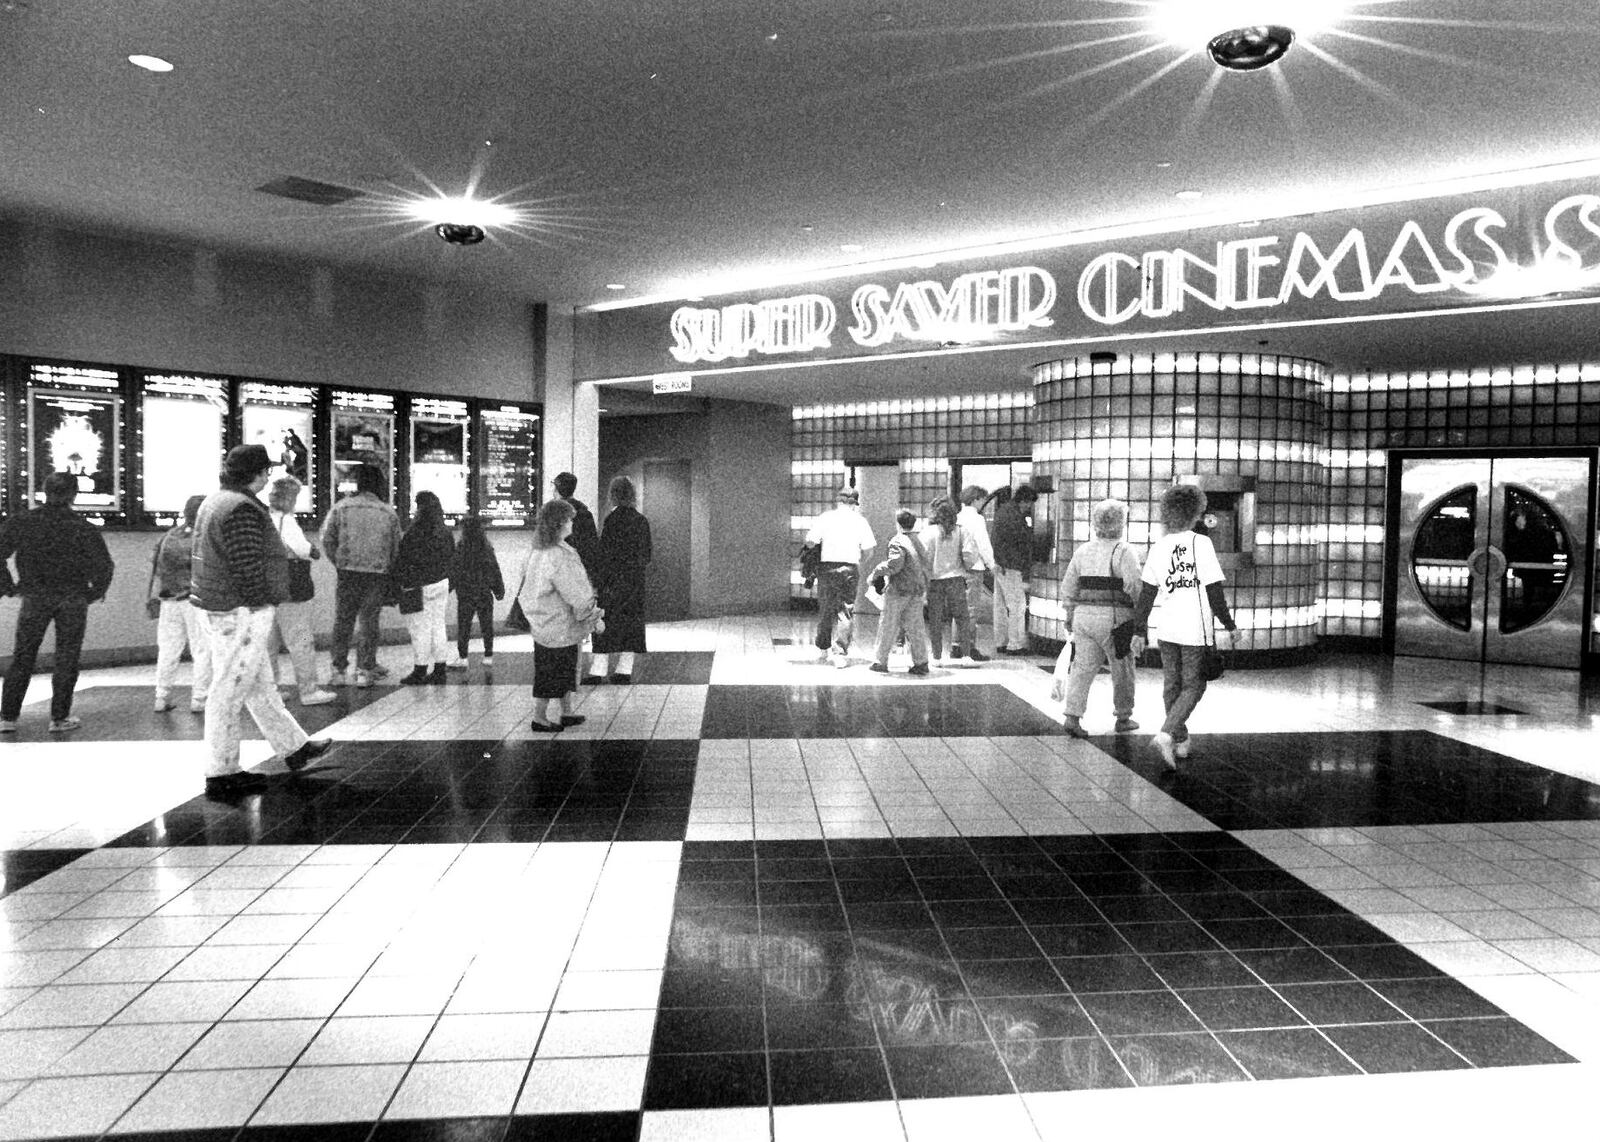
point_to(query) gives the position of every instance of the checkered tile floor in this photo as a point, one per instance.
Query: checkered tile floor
(756, 897)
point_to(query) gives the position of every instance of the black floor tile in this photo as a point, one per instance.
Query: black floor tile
(612, 1126)
(1292, 965)
(1139, 1013)
(809, 1025)
(1240, 1008)
(947, 1071)
(1007, 943)
(1327, 1004)
(1501, 1042)
(1080, 940)
(1286, 1054)
(442, 1130)
(708, 1030)
(1388, 1047)
(854, 1075)
(1356, 778)
(1017, 1019)
(1434, 998)
(19, 867)
(683, 1082)
(1088, 974)
(1168, 1060)
(1201, 969)
(1012, 977)
(1063, 1064)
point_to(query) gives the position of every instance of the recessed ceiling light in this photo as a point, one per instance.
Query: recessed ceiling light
(1162, 164)
(150, 63)
(615, 285)
(852, 247)
(1250, 48)
(1190, 194)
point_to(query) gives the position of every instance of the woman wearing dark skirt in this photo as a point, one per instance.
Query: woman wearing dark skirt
(624, 554)
(561, 609)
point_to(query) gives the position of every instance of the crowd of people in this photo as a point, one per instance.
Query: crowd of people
(231, 583)
(933, 568)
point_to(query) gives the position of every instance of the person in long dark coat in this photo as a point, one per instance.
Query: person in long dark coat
(624, 554)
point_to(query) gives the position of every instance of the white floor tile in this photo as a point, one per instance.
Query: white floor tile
(193, 1100)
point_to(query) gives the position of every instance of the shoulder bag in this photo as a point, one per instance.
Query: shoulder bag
(301, 587)
(1212, 663)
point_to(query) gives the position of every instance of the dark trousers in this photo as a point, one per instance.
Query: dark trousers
(468, 607)
(1183, 685)
(357, 599)
(836, 605)
(71, 615)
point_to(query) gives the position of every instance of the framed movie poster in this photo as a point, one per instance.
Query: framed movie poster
(508, 465)
(362, 431)
(282, 419)
(439, 452)
(76, 431)
(183, 419)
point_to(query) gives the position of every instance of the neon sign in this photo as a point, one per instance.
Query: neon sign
(1481, 248)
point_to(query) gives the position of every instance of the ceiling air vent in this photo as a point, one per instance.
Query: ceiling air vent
(309, 190)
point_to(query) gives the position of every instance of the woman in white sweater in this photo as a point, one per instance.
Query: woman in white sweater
(559, 603)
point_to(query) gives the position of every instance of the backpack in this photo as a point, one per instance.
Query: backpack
(810, 562)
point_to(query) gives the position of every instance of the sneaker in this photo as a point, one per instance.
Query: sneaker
(1126, 725)
(878, 668)
(197, 705)
(364, 679)
(164, 703)
(978, 656)
(8, 725)
(318, 698)
(488, 660)
(840, 661)
(235, 784)
(65, 725)
(458, 664)
(1162, 742)
(306, 754)
(920, 669)
(1074, 727)
(339, 678)
(1182, 748)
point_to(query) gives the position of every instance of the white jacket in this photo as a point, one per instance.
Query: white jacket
(556, 596)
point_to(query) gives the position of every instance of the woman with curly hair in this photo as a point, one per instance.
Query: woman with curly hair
(562, 611)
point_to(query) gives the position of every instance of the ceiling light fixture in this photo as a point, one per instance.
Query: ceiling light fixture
(1244, 35)
(459, 234)
(150, 63)
(1250, 48)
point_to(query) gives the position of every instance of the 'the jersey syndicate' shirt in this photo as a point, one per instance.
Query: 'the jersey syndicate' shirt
(1179, 568)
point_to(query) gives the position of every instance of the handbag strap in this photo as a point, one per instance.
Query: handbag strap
(1206, 618)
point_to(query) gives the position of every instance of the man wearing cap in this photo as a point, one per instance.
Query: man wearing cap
(239, 574)
(845, 536)
(62, 567)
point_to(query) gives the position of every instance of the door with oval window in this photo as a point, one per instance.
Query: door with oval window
(1492, 558)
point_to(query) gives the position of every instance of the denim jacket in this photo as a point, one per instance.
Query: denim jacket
(361, 533)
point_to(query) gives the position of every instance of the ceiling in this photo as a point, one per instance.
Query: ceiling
(659, 144)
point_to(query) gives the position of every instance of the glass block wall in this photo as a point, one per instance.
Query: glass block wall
(922, 436)
(1370, 413)
(1131, 426)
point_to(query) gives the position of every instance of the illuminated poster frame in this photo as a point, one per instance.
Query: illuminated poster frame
(439, 435)
(164, 454)
(283, 419)
(360, 431)
(85, 427)
(508, 444)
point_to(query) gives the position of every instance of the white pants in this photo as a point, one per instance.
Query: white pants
(293, 631)
(429, 645)
(243, 681)
(1010, 609)
(181, 623)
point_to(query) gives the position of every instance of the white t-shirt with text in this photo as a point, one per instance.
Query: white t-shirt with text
(1179, 568)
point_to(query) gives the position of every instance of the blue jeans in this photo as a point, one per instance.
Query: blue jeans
(1182, 685)
(70, 613)
(357, 599)
(947, 602)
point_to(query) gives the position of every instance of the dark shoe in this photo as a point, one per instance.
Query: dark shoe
(417, 677)
(573, 719)
(920, 669)
(1074, 727)
(235, 784)
(592, 679)
(878, 668)
(1126, 725)
(307, 753)
(978, 656)
(1015, 651)
(622, 679)
(437, 678)
(543, 728)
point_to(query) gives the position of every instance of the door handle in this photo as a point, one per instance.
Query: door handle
(1478, 561)
(1497, 562)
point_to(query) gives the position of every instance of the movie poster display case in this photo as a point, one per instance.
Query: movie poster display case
(142, 441)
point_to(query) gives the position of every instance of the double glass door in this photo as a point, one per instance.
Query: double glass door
(1492, 557)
